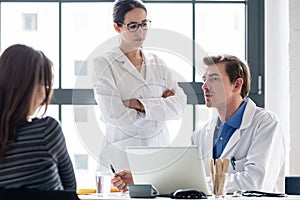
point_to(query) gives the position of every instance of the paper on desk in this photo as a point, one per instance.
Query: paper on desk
(115, 196)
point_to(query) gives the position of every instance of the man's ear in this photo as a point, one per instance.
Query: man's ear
(238, 84)
(117, 28)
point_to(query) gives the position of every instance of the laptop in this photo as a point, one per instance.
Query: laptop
(168, 168)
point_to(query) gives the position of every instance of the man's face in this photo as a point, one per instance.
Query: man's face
(218, 90)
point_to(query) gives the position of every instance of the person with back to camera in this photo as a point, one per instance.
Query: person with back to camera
(33, 152)
(248, 135)
(134, 89)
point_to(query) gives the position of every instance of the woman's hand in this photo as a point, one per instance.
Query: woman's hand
(134, 104)
(168, 93)
(122, 179)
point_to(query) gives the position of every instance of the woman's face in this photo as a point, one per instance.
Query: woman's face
(133, 39)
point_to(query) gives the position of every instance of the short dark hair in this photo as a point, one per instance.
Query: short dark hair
(121, 7)
(235, 69)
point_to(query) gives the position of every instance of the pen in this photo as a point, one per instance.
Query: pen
(232, 161)
(113, 170)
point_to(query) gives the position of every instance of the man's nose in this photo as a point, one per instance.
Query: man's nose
(204, 86)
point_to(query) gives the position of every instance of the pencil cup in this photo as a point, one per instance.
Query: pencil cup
(103, 182)
(218, 174)
(219, 184)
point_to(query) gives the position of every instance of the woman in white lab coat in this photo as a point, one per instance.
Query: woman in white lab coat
(134, 89)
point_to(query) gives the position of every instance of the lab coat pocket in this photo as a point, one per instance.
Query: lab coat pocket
(237, 165)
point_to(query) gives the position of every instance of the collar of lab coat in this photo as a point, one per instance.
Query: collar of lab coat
(246, 121)
(118, 55)
(248, 114)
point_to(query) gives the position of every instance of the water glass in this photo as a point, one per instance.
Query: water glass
(103, 182)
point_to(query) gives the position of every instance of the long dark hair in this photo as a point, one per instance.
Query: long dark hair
(22, 68)
(121, 7)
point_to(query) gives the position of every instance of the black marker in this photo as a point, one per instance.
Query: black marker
(232, 160)
(113, 170)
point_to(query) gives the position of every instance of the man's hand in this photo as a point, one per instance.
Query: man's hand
(122, 179)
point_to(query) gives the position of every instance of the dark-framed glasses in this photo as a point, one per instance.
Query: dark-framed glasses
(134, 26)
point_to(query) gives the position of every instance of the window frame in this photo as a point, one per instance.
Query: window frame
(255, 56)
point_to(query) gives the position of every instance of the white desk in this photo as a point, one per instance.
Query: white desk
(111, 196)
(122, 196)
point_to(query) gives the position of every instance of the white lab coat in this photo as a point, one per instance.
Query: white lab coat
(115, 80)
(259, 147)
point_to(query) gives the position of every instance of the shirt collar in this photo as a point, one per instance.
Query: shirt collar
(236, 119)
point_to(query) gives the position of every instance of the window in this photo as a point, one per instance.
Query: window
(69, 31)
(80, 68)
(81, 161)
(30, 22)
(34, 24)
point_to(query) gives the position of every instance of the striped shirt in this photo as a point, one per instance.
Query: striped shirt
(38, 158)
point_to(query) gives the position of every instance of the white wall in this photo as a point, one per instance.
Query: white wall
(282, 70)
(294, 59)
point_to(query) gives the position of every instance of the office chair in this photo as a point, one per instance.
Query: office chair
(35, 194)
(292, 185)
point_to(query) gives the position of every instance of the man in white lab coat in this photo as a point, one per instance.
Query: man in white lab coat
(250, 136)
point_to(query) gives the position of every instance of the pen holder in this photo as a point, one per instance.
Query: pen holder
(218, 174)
(218, 181)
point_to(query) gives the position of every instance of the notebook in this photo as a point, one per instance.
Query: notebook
(168, 168)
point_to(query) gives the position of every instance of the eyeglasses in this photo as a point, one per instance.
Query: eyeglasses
(133, 26)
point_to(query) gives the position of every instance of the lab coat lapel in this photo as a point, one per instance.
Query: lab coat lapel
(232, 141)
(149, 64)
(247, 119)
(125, 63)
(209, 137)
(128, 65)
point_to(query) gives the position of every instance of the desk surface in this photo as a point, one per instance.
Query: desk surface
(122, 196)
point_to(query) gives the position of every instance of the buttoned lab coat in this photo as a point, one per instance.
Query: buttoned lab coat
(258, 146)
(115, 80)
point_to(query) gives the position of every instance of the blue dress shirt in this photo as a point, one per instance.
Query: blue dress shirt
(224, 131)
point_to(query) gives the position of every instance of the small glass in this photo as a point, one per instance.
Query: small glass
(103, 182)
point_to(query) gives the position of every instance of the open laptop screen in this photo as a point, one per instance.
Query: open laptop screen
(168, 168)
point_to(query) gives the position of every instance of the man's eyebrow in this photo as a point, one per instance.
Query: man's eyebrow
(210, 75)
(214, 74)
